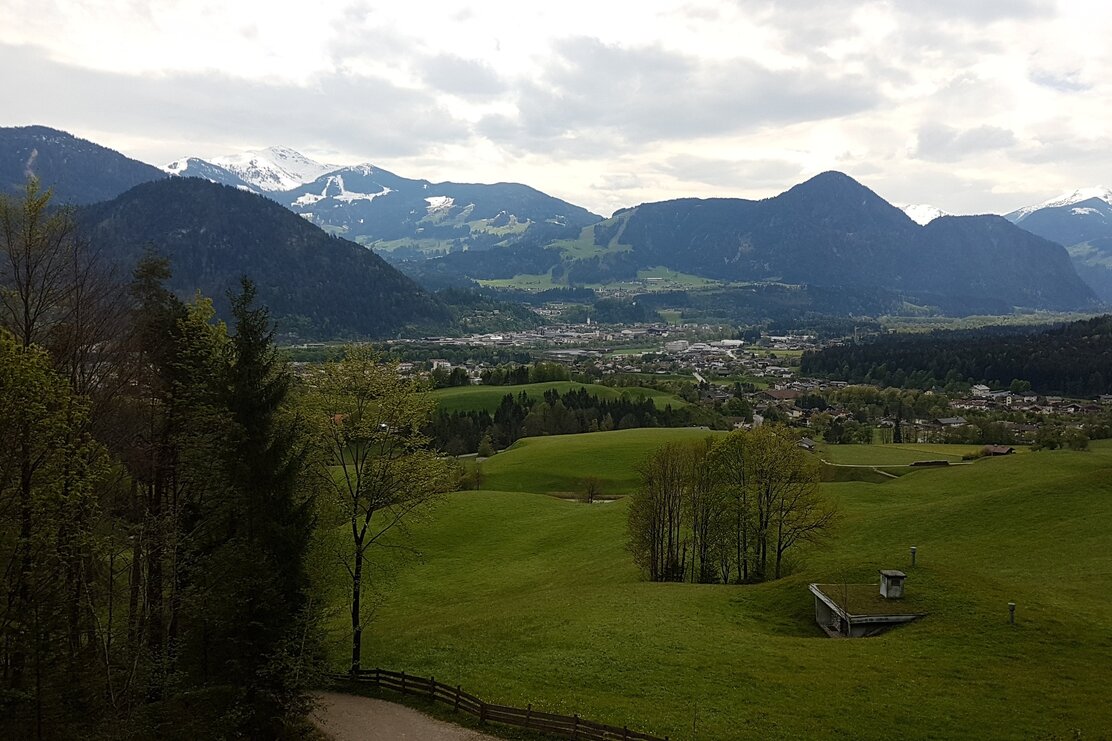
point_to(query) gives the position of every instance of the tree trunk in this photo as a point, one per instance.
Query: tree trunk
(356, 622)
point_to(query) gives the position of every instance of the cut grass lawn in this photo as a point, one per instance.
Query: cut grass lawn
(529, 599)
(479, 398)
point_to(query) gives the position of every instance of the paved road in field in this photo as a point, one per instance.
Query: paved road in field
(354, 718)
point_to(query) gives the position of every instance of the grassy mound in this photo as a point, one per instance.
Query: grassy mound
(559, 463)
(529, 599)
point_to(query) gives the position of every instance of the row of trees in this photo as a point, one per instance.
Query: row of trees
(169, 497)
(1073, 359)
(551, 414)
(726, 510)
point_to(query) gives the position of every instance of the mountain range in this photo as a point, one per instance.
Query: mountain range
(399, 217)
(79, 171)
(830, 233)
(1082, 222)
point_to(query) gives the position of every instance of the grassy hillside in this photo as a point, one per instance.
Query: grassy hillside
(529, 599)
(476, 398)
(558, 464)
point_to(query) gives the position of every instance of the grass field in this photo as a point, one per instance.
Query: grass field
(894, 455)
(530, 599)
(477, 398)
(558, 464)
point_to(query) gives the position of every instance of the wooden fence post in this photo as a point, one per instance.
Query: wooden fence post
(482, 712)
(432, 688)
(625, 732)
(403, 683)
(456, 708)
(575, 729)
(528, 714)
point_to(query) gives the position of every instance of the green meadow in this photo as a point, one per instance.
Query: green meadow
(527, 598)
(478, 398)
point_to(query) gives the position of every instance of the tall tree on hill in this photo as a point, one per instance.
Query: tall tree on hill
(270, 521)
(374, 460)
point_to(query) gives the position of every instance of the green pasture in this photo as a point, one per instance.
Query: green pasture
(523, 598)
(478, 398)
(894, 455)
(558, 464)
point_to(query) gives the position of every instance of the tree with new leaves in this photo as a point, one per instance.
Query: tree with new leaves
(375, 461)
(736, 506)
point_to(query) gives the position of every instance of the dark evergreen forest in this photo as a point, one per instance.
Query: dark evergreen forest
(1073, 360)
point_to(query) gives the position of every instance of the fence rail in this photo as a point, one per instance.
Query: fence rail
(573, 727)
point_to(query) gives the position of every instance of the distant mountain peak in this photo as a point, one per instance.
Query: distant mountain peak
(922, 213)
(276, 168)
(1099, 192)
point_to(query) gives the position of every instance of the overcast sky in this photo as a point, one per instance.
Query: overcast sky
(970, 105)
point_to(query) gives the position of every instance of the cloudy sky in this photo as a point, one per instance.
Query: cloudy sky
(971, 105)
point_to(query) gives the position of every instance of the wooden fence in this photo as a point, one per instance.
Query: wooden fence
(572, 727)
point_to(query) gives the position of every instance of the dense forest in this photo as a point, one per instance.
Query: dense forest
(168, 554)
(1073, 360)
(553, 414)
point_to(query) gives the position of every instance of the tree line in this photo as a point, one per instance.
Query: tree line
(726, 510)
(1072, 360)
(168, 498)
(554, 413)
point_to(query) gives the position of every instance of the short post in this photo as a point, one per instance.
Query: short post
(1011, 613)
(482, 713)
(575, 729)
(528, 714)
(456, 708)
(403, 683)
(432, 688)
(625, 732)
(913, 549)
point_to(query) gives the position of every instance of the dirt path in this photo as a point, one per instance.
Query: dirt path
(354, 718)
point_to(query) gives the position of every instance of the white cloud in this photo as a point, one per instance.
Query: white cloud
(604, 104)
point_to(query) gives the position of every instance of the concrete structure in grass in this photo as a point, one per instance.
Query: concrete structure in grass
(860, 610)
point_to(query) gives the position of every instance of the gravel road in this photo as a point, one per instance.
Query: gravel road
(354, 718)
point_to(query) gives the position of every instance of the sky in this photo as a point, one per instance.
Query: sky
(973, 106)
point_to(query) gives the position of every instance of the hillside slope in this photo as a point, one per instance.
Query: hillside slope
(79, 171)
(314, 284)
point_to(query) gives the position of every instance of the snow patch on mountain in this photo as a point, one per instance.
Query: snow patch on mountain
(922, 213)
(336, 189)
(177, 166)
(274, 168)
(1066, 199)
(439, 203)
(1084, 211)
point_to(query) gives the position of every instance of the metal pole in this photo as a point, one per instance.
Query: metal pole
(913, 549)
(1011, 613)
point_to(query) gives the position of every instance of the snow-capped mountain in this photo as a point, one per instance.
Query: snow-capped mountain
(1066, 199)
(274, 168)
(922, 213)
(1081, 221)
(374, 206)
(269, 170)
(194, 167)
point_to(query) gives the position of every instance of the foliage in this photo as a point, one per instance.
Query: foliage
(736, 505)
(1073, 359)
(154, 512)
(373, 459)
(555, 413)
